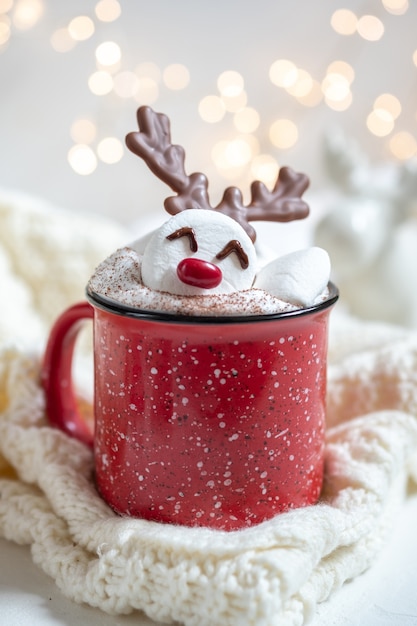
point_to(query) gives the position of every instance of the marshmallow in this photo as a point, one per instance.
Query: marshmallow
(299, 278)
(199, 234)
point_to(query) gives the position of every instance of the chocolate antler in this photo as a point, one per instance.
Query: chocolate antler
(153, 144)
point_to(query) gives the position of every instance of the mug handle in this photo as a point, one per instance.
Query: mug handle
(56, 374)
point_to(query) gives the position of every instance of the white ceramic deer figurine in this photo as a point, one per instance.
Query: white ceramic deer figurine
(370, 232)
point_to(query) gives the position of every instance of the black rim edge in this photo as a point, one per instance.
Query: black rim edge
(111, 306)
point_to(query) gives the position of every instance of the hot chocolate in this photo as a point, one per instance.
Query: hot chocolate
(203, 261)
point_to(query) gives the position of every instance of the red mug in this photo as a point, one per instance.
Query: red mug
(200, 421)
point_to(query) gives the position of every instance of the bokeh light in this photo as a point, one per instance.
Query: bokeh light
(82, 159)
(218, 155)
(389, 103)
(100, 83)
(283, 73)
(386, 109)
(340, 105)
(265, 168)
(143, 84)
(403, 145)
(313, 97)
(246, 120)
(253, 143)
(344, 22)
(370, 27)
(211, 109)
(83, 130)
(302, 85)
(4, 29)
(81, 28)
(396, 7)
(27, 13)
(342, 68)
(176, 76)
(335, 87)
(108, 53)
(232, 104)
(236, 153)
(380, 122)
(148, 91)
(110, 150)
(126, 84)
(283, 134)
(107, 10)
(230, 84)
(5, 6)
(61, 40)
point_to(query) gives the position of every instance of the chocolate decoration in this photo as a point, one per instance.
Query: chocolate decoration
(185, 231)
(166, 160)
(234, 246)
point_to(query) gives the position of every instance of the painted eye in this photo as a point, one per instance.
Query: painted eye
(234, 246)
(185, 231)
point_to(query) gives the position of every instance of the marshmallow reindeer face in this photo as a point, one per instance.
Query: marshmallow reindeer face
(199, 251)
(206, 249)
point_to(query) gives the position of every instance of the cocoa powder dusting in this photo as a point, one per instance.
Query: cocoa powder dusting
(119, 278)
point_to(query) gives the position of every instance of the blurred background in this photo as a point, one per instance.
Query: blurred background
(328, 87)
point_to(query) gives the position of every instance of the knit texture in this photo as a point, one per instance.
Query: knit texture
(269, 575)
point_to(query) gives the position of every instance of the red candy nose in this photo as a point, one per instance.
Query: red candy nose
(199, 273)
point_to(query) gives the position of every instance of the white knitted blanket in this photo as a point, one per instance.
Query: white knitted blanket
(270, 575)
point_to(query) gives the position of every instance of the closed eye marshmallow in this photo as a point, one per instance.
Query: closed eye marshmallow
(185, 231)
(234, 246)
